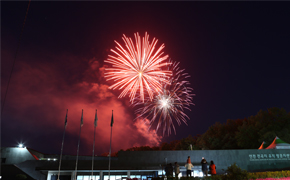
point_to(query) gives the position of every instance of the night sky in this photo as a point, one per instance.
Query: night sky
(237, 54)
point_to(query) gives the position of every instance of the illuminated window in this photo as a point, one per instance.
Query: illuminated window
(112, 177)
(161, 172)
(86, 178)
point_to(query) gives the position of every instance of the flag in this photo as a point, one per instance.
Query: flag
(65, 121)
(82, 121)
(112, 120)
(96, 119)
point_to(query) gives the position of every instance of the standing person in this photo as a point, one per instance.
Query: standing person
(188, 160)
(170, 170)
(176, 170)
(167, 170)
(212, 168)
(204, 166)
(188, 167)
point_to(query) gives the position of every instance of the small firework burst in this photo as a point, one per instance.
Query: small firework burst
(169, 103)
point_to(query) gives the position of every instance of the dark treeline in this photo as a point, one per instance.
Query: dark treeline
(247, 133)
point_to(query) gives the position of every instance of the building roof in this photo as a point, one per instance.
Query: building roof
(278, 144)
(37, 155)
(263, 146)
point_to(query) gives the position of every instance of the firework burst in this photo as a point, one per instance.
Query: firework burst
(138, 68)
(169, 103)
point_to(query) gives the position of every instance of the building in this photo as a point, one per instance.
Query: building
(136, 164)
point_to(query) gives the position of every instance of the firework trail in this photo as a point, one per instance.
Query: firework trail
(168, 104)
(138, 67)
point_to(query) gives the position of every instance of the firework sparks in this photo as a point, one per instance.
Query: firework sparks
(138, 68)
(170, 103)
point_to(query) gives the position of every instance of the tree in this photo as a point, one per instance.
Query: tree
(165, 146)
(247, 133)
(220, 136)
(184, 143)
(169, 146)
(141, 148)
(105, 154)
(264, 126)
(20, 176)
(235, 172)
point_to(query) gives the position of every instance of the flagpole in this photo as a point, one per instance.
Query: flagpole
(65, 122)
(112, 121)
(110, 153)
(95, 125)
(79, 146)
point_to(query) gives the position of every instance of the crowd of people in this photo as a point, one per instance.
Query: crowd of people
(169, 168)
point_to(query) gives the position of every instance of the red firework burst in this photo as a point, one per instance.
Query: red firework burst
(138, 68)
